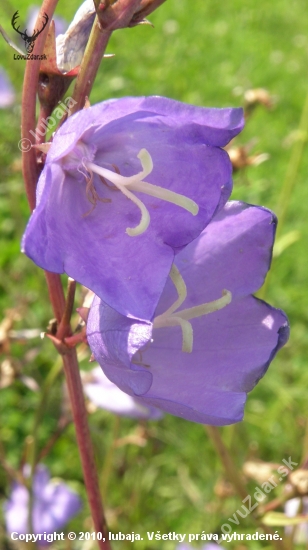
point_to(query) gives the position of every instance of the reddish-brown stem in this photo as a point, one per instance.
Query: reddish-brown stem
(64, 328)
(113, 16)
(120, 16)
(56, 294)
(28, 104)
(71, 367)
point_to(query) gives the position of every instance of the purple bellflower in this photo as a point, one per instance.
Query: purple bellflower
(108, 396)
(54, 505)
(210, 341)
(127, 184)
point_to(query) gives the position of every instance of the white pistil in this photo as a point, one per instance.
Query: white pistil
(171, 317)
(136, 183)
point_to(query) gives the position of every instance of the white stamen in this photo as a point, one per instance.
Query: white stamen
(171, 317)
(146, 162)
(145, 216)
(180, 286)
(204, 309)
(136, 183)
(166, 195)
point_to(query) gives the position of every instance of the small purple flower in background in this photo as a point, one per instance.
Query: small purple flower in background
(108, 396)
(127, 183)
(210, 341)
(54, 505)
(7, 94)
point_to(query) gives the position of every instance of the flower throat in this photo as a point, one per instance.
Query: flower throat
(135, 183)
(172, 318)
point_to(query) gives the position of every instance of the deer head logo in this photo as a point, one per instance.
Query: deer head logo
(29, 40)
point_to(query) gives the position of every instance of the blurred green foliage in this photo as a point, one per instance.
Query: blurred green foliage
(206, 53)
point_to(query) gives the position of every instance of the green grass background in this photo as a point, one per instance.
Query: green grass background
(206, 53)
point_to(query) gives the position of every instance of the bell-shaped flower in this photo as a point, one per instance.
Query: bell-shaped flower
(210, 340)
(54, 504)
(106, 395)
(127, 183)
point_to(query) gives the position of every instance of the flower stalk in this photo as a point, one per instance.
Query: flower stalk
(93, 55)
(110, 16)
(28, 104)
(70, 362)
(74, 384)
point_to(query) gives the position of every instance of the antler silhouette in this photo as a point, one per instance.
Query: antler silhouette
(14, 18)
(29, 40)
(36, 33)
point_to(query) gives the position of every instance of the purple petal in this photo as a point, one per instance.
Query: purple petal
(108, 396)
(65, 235)
(55, 506)
(16, 509)
(114, 339)
(232, 351)
(232, 347)
(234, 252)
(215, 127)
